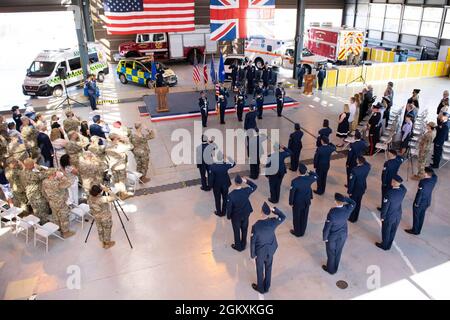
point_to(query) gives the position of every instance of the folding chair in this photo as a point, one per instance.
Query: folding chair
(25, 225)
(134, 178)
(80, 213)
(383, 146)
(10, 215)
(45, 232)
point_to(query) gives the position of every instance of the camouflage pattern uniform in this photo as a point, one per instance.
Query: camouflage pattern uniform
(32, 181)
(74, 150)
(141, 151)
(29, 135)
(19, 196)
(91, 172)
(425, 150)
(98, 151)
(3, 150)
(117, 158)
(71, 124)
(17, 150)
(99, 207)
(56, 192)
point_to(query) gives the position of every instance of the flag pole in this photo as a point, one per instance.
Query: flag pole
(203, 70)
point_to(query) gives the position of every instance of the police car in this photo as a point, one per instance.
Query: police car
(42, 77)
(139, 71)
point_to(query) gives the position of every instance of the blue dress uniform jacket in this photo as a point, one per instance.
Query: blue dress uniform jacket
(295, 145)
(300, 197)
(357, 149)
(240, 105)
(202, 165)
(279, 94)
(322, 159)
(390, 169)
(203, 105)
(239, 209)
(250, 120)
(219, 181)
(98, 130)
(422, 201)
(276, 178)
(324, 132)
(357, 186)
(263, 245)
(391, 213)
(259, 102)
(441, 136)
(335, 233)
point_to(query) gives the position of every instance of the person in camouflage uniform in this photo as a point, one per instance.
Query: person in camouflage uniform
(97, 149)
(91, 170)
(31, 178)
(12, 172)
(17, 150)
(100, 208)
(29, 135)
(55, 189)
(116, 153)
(72, 123)
(74, 148)
(3, 128)
(425, 150)
(3, 150)
(141, 151)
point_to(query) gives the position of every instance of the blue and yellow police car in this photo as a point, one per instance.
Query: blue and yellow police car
(140, 71)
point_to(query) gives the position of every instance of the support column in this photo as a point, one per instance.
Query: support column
(87, 20)
(82, 45)
(299, 30)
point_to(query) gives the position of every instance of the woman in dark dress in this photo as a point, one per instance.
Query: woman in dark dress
(343, 126)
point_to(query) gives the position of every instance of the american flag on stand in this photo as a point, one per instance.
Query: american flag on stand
(229, 17)
(148, 16)
(196, 72)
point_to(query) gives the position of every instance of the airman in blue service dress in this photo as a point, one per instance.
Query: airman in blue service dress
(276, 174)
(356, 149)
(240, 103)
(203, 104)
(250, 118)
(279, 95)
(390, 169)
(295, 145)
(220, 182)
(263, 245)
(322, 159)
(357, 185)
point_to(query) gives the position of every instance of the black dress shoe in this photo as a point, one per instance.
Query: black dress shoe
(293, 233)
(345, 186)
(218, 214)
(379, 245)
(255, 287)
(316, 192)
(411, 231)
(324, 268)
(272, 201)
(235, 248)
(379, 208)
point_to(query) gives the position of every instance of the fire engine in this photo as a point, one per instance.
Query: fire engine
(171, 45)
(335, 43)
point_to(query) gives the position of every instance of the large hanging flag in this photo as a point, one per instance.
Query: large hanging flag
(212, 71)
(148, 16)
(229, 17)
(221, 72)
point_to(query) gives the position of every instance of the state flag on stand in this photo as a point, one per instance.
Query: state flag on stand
(205, 70)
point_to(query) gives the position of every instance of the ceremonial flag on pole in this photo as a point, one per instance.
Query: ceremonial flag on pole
(196, 71)
(228, 18)
(154, 71)
(221, 74)
(205, 70)
(148, 16)
(212, 72)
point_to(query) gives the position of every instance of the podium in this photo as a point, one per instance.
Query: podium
(309, 84)
(161, 93)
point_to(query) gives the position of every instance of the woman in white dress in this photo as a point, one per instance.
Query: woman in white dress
(72, 174)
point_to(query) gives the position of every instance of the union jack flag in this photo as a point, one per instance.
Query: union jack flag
(229, 17)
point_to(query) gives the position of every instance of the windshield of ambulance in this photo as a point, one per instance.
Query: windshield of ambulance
(41, 69)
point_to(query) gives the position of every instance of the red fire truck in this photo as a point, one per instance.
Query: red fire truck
(335, 43)
(171, 45)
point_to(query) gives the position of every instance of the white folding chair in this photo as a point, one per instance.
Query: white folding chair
(44, 232)
(10, 214)
(133, 178)
(383, 146)
(25, 225)
(81, 212)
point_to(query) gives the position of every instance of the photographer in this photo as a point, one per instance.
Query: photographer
(100, 209)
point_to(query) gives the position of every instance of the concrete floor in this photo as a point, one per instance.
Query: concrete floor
(182, 250)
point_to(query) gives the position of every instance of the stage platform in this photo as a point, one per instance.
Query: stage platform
(184, 105)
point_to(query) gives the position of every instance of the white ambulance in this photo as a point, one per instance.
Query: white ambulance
(42, 76)
(261, 50)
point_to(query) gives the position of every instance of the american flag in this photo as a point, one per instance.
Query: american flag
(148, 16)
(229, 17)
(196, 72)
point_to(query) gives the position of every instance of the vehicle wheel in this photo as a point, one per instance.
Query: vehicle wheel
(123, 79)
(132, 54)
(100, 77)
(150, 84)
(57, 91)
(192, 54)
(259, 63)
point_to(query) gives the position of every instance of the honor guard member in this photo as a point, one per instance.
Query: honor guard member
(335, 231)
(251, 72)
(204, 159)
(301, 70)
(259, 98)
(374, 126)
(295, 145)
(280, 94)
(239, 209)
(56, 191)
(242, 75)
(324, 132)
(240, 103)
(441, 136)
(300, 197)
(254, 152)
(263, 245)
(222, 107)
(357, 185)
(141, 151)
(390, 169)
(322, 159)
(266, 76)
(100, 208)
(234, 74)
(250, 118)
(422, 200)
(321, 75)
(275, 171)
(203, 105)
(219, 181)
(356, 150)
(391, 212)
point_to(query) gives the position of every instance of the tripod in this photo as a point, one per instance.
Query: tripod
(361, 77)
(67, 98)
(117, 205)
